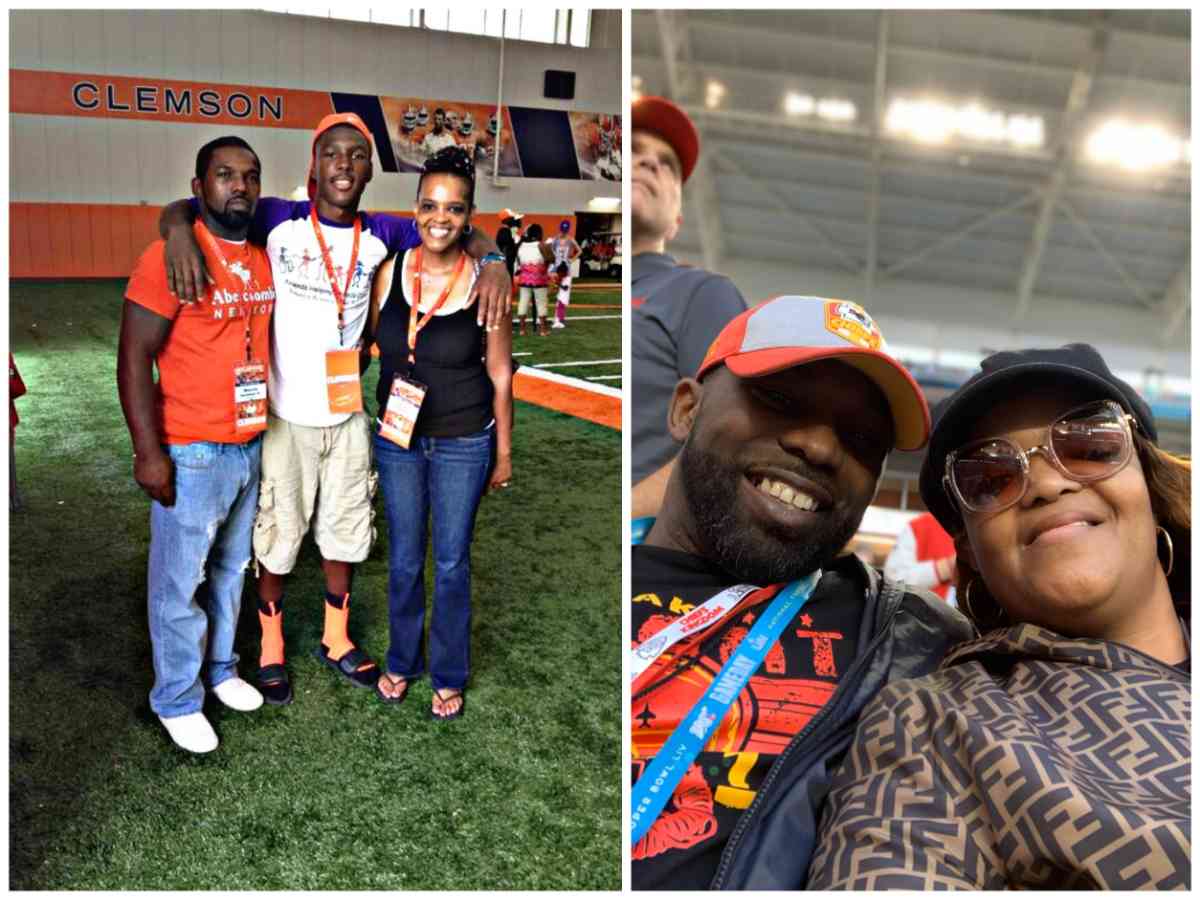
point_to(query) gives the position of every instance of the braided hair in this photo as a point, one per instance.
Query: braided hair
(452, 160)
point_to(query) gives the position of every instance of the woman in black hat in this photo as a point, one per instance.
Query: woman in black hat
(1053, 752)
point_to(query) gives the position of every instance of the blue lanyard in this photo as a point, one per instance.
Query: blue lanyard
(641, 527)
(665, 771)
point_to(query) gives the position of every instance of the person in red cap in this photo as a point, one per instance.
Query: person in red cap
(677, 310)
(755, 644)
(316, 456)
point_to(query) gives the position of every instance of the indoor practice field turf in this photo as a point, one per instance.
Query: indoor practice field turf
(336, 791)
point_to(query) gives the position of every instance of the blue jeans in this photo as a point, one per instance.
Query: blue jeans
(199, 550)
(445, 476)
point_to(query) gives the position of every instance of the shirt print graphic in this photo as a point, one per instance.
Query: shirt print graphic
(780, 699)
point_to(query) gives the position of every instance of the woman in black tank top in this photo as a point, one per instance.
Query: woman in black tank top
(445, 391)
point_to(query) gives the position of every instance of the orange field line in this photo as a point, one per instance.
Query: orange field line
(567, 398)
(564, 398)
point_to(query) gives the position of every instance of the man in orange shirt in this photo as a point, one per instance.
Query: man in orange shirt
(197, 440)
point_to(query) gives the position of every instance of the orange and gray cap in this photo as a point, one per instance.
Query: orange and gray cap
(663, 118)
(789, 331)
(332, 121)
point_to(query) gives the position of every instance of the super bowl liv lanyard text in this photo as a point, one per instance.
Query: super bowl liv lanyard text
(339, 293)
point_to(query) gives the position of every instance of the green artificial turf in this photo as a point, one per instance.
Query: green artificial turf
(585, 338)
(336, 791)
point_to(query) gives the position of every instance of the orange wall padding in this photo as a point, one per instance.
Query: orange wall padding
(101, 240)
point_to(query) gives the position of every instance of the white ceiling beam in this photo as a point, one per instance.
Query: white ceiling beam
(1177, 302)
(958, 234)
(875, 179)
(1115, 264)
(851, 142)
(953, 56)
(746, 210)
(771, 195)
(976, 172)
(1052, 190)
(700, 196)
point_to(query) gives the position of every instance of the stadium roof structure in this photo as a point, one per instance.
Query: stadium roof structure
(939, 146)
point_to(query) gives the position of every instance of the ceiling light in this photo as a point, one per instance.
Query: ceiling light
(714, 93)
(935, 122)
(836, 110)
(1134, 147)
(798, 104)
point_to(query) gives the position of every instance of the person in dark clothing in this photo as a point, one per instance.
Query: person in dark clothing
(677, 309)
(507, 239)
(756, 644)
(444, 435)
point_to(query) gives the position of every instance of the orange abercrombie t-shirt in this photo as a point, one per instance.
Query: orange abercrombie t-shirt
(208, 338)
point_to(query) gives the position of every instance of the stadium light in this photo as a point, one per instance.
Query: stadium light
(935, 122)
(605, 204)
(835, 110)
(714, 93)
(795, 104)
(1135, 147)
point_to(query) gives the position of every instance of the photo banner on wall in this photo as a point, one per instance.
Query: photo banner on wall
(597, 145)
(532, 142)
(414, 132)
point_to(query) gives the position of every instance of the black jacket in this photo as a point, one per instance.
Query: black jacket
(904, 634)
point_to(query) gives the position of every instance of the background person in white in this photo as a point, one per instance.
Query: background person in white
(924, 557)
(439, 136)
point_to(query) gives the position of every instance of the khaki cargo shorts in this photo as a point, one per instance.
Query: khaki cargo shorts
(307, 468)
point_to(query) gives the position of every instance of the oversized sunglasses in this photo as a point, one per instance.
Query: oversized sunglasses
(1087, 444)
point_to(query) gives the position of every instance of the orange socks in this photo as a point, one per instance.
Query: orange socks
(337, 614)
(270, 618)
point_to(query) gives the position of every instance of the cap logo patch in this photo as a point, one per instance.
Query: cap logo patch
(851, 323)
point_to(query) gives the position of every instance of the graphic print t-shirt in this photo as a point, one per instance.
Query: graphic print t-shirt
(208, 337)
(683, 847)
(305, 325)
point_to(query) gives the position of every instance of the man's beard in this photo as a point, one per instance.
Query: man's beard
(750, 550)
(235, 220)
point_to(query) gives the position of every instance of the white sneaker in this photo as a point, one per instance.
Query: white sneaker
(238, 694)
(191, 732)
(558, 324)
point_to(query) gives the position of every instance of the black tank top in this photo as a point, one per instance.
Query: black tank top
(449, 362)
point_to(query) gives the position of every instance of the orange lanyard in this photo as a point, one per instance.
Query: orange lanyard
(231, 285)
(414, 327)
(339, 294)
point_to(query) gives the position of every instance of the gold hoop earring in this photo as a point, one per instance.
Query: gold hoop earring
(1170, 548)
(967, 600)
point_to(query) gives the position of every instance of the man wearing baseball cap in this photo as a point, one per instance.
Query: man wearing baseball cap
(755, 644)
(677, 310)
(316, 454)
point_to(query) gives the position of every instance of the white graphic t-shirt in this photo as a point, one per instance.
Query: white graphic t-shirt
(305, 323)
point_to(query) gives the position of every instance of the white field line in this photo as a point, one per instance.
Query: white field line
(603, 377)
(574, 382)
(526, 353)
(579, 318)
(578, 362)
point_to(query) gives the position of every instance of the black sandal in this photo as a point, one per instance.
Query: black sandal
(272, 682)
(457, 714)
(349, 666)
(395, 681)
